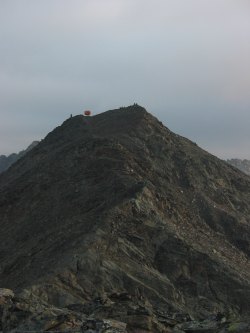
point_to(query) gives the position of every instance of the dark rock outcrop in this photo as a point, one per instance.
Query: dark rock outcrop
(114, 217)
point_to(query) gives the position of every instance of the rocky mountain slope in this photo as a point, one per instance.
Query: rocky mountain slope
(116, 218)
(7, 161)
(243, 165)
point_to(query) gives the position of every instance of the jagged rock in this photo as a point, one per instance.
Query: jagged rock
(5, 295)
(14, 315)
(24, 316)
(101, 326)
(206, 326)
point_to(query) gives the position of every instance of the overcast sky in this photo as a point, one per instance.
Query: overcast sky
(185, 61)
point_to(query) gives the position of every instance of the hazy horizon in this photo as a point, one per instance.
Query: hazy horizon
(188, 63)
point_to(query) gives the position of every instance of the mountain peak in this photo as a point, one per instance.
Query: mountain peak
(117, 204)
(113, 123)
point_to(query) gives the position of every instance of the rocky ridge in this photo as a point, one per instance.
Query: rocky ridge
(116, 218)
(7, 161)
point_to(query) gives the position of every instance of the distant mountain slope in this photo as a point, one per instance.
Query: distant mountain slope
(243, 165)
(7, 161)
(116, 217)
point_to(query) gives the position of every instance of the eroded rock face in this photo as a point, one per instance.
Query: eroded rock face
(117, 204)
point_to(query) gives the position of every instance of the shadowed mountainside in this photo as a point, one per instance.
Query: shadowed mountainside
(117, 203)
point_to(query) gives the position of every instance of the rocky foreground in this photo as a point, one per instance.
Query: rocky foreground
(115, 224)
(116, 313)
